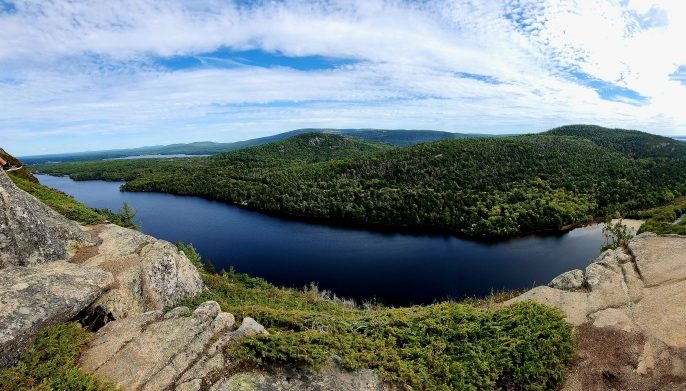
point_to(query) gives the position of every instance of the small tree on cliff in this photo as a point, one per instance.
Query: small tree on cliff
(617, 234)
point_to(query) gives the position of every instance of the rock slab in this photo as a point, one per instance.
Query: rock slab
(30, 232)
(186, 351)
(32, 298)
(639, 294)
(150, 274)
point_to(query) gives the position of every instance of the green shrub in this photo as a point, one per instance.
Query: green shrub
(446, 346)
(662, 220)
(50, 363)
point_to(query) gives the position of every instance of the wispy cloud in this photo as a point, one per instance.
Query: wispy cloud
(99, 74)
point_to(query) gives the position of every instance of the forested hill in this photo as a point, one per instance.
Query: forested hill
(397, 137)
(474, 186)
(631, 142)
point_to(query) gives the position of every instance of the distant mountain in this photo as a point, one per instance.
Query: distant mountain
(397, 137)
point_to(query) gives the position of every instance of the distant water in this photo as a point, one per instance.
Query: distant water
(154, 156)
(395, 268)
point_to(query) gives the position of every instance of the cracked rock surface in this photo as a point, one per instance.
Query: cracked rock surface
(150, 273)
(30, 232)
(181, 350)
(638, 294)
(32, 298)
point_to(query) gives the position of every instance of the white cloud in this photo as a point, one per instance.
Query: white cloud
(74, 71)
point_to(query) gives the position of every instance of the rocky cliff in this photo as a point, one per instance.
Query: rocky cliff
(32, 233)
(630, 309)
(52, 269)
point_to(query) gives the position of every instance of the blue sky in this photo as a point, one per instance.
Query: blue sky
(89, 75)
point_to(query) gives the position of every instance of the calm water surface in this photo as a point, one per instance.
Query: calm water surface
(394, 268)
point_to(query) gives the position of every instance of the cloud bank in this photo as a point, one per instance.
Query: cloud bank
(85, 75)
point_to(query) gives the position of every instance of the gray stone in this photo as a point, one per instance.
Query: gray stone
(33, 298)
(177, 312)
(568, 281)
(30, 232)
(151, 352)
(150, 273)
(250, 327)
(209, 309)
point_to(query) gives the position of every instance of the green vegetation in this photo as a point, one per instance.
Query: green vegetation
(23, 173)
(485, 187)
(73, 209)
(50, 363)
(666, 219)
(446, 346)
(60, 202)
(399, 137)
(616, 234)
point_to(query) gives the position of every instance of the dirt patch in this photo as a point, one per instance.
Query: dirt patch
(86, 253)
(607, 360)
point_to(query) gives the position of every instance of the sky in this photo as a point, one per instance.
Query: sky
(103, 74)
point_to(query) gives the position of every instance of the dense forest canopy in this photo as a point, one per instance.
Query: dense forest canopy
(473, 186)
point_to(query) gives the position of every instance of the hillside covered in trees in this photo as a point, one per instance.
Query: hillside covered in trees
(483, 187)
(397, 137)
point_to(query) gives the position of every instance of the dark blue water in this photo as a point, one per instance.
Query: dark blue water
(394, 268)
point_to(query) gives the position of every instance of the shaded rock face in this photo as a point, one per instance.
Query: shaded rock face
(32, 233)
(186, 351)
(639, 293)
(149, 273)
(32, 298)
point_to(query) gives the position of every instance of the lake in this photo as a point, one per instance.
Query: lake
(393, 268)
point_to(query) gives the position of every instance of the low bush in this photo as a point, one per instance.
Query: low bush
(446, 346)
(50, 363)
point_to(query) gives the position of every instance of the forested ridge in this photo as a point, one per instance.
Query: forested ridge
(485, 187)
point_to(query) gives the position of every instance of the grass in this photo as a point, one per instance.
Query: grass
(445, 346)
(50, 363)
(661, 220)
(60, 202)
(72, 209)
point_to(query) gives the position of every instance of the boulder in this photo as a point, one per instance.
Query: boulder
(33, 298)
(30, 232)
(568, 281)
(150, 274)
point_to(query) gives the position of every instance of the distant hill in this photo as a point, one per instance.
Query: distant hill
(398, 137)
(632, 142)
(485, 187)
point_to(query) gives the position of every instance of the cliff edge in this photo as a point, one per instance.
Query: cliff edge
(629, 306)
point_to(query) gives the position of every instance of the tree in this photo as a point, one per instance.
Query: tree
(616, 234)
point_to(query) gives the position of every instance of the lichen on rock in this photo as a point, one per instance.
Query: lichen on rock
(30, 232)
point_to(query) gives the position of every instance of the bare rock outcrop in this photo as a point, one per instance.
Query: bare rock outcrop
(32, 233)
(150, 273)
(186, 351)
(637, 296)
(155, 352)
(32, 298)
